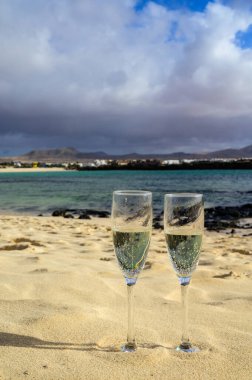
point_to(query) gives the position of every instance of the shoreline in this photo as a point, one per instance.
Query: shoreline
(32, 170)
(219, 218)
(243, 228)
(170, 168)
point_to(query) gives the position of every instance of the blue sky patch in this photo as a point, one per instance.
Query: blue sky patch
(193, 5)
(243, 39)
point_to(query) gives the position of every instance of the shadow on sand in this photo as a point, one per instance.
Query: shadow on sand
(15, 340)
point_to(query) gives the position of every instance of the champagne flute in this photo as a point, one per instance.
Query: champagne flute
(131, 225)
(183, 227)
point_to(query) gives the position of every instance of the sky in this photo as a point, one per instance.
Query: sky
(125, 76)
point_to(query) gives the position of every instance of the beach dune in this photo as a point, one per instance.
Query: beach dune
(63, 306)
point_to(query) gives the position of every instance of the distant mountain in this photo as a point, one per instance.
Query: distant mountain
(245, 152)
(232, 153)
(72, 154)
(60, 154)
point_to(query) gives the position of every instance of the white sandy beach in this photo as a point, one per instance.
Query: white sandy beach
(63, 306)
(29, 170)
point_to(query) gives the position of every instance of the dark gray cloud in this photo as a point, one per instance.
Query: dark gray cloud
(98, 76)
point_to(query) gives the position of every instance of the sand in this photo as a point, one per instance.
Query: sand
(63, 306)
(30, 170)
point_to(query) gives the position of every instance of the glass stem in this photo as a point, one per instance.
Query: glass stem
(131, 330)
(185, 342)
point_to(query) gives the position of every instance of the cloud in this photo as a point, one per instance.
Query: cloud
(101, 76)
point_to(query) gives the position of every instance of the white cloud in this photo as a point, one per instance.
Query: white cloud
(76, 58)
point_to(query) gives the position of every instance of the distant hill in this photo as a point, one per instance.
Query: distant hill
(232, 153)
(60, 154)
(245, 152)
(71, 154)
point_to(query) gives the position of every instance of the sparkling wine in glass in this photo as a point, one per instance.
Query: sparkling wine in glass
(131, 225)
(183, 227)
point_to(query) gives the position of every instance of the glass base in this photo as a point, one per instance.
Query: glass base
(187, 348)
(129, 347)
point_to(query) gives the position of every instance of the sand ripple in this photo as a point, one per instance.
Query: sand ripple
(63, 311)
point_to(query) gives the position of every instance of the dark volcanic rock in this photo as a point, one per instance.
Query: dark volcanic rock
(216, 218)
(217, 225)
(84, 216)
(80, 213)
(219, 218)
(99, 214)
(60, 212)
(158, 221)
(68, 216)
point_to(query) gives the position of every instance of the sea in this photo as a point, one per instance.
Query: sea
(37, 193)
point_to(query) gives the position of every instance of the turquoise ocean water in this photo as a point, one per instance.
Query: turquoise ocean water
(34, 193)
